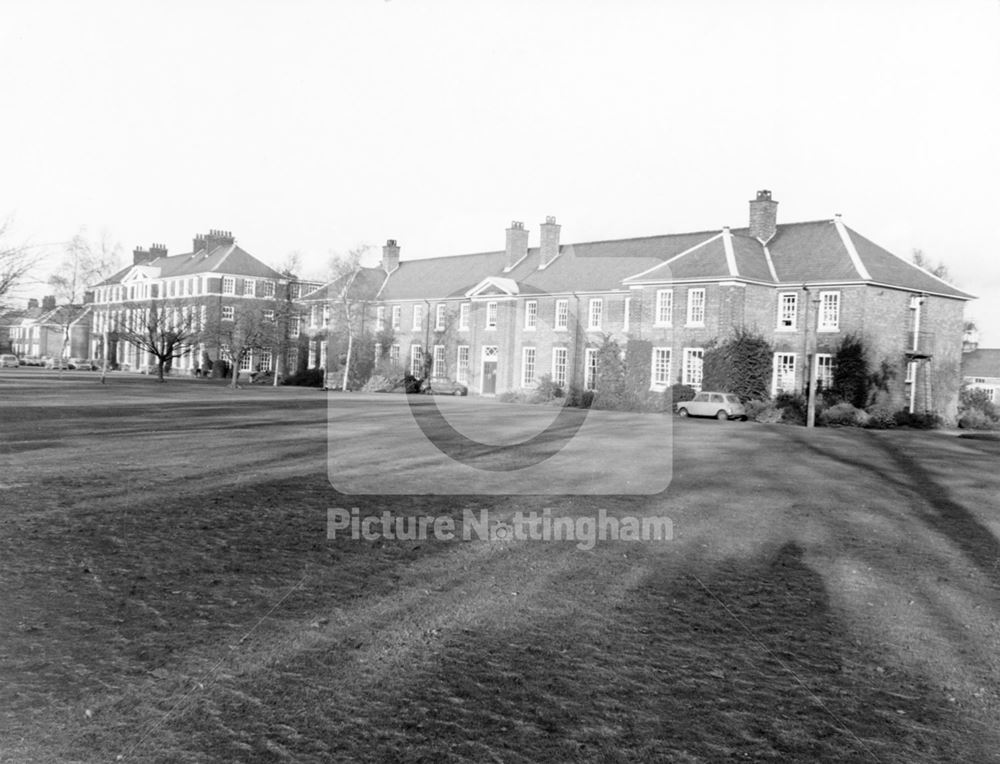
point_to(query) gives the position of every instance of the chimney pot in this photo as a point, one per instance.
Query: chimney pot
(390, 256)
(517, 244)
(550, 241)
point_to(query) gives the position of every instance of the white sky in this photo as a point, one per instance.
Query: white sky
(319, 126)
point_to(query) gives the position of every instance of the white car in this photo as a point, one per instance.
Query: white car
(8, 361)
(722, 406)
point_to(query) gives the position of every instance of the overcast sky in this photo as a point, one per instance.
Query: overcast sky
(320, 126)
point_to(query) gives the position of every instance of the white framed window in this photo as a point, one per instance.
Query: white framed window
(246, 362)
(314, 315)
(394, 355)
(559, 362)
(491, 315)
(784, 373)
(660, 376)
(463, 317)
(531, 314)
(439, 317)
(911, 372)
(664, 315)
(975, 380)
(829, 311)
(788, 309)
(228, 314)
(437, 368)
(296, 328)
(269, 316)
(397, 316)
(268, 287)
(249, 287)
(312, 354)
(696, 307)
(295, 290)
(462, 364)
(380, 318)
(824, 370)
(692, 370)
(378, 352)
(265, 359)
(527, 366)
(590, 368)
(562, 315)
(228, 285)
(416, 360)
(326, 315)
(627, 314)
(595, 313)
(418, 317)
(292, 360)
(322, 354)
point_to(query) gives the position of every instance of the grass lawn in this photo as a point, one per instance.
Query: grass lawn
(168, 593)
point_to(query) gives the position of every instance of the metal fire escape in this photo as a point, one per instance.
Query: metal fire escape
(919, 345)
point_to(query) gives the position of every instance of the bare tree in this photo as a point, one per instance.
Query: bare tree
(84, 263)
(248, 329)
(921, 260)
(350, 291)
(164, 331)
(16, 260)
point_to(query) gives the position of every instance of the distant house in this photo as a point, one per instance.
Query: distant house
(49, 330)
(499, 320)
(206, 290)
(981, 370)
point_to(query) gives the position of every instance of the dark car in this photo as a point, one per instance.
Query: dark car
(444, 386)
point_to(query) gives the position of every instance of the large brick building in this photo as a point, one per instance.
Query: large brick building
(210, 291)
(499, 320)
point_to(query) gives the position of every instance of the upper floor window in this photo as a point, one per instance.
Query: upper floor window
(295, 290)
(531, 314)
(829, 311)
(664, 307)
(595, 313)
(227, 313)
(397, 315)
(418, 317)
(788, 305)
(380, 318)
(696, 307)
(249, 287)
(268, 287)
(326, 315)
(463, 316)
(562, 314)
(440, 316)
(228, 285)
(491, 315)
(296, 327)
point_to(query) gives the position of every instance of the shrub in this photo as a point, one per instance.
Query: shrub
(793, 406)
(741, 364)
(579, 398)
(516, 396)
(378, 383)
(975, 419)
(882, 417)
(851, 379)
(924, 421)
(678, 393)
(546, 389)
(305, 378)
(762, 410)
(976, 399)
(844, 415)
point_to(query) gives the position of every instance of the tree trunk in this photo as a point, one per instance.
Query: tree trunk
(347, 365)
(159, 368)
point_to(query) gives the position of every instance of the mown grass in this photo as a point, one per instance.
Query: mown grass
(169, 594)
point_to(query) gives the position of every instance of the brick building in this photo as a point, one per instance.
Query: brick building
(499, 320)
(48, 330)
(981, 370)
(211, 291)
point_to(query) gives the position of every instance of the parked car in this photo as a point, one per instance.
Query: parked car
(444, 386)
(722, 406)
(54, 363)
(8, 361)
(31, 360)
(84, 364)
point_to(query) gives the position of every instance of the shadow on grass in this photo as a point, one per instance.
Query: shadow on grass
(744, 662)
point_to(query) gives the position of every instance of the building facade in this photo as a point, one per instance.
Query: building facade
(499, 320)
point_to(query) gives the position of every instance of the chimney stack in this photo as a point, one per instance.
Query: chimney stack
(763, 217)
(49, 302)
(214, 238)
(517, 244)
(157, 250)
(141, 256)
(32, 302)
(550, 241)
(390, 256)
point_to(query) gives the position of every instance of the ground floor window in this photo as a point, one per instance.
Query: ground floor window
(824, 370)
(527, 367)
(394, 355)
(784, 373)
(416, 360)
(438, 369)
(692, 371)
(462, 365)
(559, 357)
(661, 368)
(590, 368)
